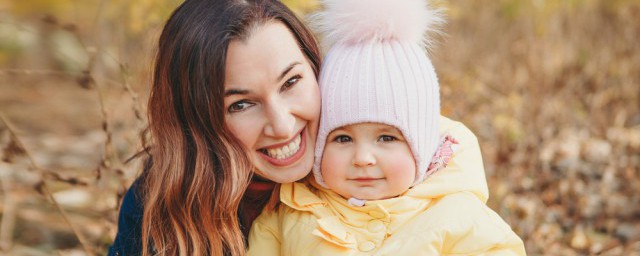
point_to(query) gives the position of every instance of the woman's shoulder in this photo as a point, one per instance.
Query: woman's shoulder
(128, 239)
(132, 203)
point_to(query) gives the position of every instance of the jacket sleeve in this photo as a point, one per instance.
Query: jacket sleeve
(264, 237)
(480, 232)
(128, 240)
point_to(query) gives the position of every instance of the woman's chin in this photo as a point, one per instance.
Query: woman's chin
(284, 174)
(289, 169)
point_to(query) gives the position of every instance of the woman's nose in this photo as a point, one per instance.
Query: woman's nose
(281, 123)
(363, 156)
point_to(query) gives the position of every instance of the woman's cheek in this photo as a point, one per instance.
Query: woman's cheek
(312, 104)
(244, 128)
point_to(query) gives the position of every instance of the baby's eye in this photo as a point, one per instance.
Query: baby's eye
(342, 139)
(387, 138)
(239, 106)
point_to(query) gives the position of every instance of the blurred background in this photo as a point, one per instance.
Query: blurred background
(551, 89)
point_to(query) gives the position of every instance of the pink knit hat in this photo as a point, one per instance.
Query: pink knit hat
(377, 70)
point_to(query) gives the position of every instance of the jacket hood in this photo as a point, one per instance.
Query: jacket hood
(464, 172)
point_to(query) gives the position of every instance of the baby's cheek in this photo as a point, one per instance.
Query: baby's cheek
(405, 168)
(331, 166)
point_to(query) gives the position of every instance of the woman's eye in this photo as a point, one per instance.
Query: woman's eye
(342, 139)
(290, 83)
(387, 138)
(239, 106)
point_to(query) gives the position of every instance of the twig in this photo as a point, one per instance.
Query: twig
(81, 237)
(42, 187)
(108, 146)
(104, 163)
(97, 18)
(35, 72)
(133, 94)
(8, 216)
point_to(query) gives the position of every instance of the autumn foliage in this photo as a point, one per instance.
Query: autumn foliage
(551, 89)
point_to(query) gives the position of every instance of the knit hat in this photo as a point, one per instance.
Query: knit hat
(377, 70)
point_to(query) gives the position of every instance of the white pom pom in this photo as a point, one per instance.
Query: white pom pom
(355, 21)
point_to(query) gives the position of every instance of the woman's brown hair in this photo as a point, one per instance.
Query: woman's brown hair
(199, 171)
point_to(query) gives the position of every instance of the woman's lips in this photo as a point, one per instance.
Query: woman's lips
(289, 159)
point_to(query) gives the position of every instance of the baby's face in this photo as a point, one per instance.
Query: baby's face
(368, 161)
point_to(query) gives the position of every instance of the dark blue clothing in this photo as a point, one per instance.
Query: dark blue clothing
(129, 238)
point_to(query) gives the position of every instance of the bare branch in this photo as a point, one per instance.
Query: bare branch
(42, 188)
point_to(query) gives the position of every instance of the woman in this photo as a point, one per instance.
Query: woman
(234, 92)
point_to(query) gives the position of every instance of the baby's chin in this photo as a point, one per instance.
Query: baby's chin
(368, 196)
(372, 195)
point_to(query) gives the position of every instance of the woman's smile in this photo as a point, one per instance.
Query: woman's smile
(285, 153)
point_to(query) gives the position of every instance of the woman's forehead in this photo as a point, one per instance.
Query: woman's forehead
(262, 57)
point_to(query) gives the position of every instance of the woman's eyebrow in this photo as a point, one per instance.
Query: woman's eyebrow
(287, 69)
(230, 92)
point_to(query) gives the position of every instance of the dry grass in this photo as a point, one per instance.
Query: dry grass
(553, 92)
(551, 88)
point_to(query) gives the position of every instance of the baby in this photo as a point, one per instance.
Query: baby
(391, 177)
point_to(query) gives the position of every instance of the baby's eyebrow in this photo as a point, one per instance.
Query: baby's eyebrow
(337, 130)
(387, 129)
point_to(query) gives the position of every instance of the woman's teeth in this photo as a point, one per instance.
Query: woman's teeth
(286, 151)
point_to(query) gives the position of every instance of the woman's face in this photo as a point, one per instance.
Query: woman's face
(272, 102)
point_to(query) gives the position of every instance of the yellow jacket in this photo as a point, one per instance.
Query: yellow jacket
(445, 215)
